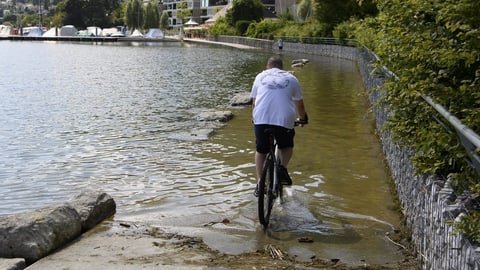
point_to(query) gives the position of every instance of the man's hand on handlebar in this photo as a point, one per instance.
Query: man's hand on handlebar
(302, 121)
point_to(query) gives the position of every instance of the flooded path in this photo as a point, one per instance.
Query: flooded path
(85, 121)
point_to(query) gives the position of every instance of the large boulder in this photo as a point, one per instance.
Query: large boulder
(34, 235)
(93, 207)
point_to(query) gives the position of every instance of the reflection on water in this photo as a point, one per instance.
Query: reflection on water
(119, 118)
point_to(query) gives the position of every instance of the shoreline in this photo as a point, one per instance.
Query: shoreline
(123, 39)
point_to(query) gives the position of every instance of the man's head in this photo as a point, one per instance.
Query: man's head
(275, 62)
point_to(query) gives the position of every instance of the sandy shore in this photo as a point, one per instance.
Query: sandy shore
(126, 246)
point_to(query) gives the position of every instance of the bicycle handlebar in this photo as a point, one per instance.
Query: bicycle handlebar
(301, 122)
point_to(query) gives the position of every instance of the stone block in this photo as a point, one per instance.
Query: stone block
(93, 207)
(35, 234)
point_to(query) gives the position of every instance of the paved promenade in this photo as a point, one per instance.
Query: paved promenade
(234, 45)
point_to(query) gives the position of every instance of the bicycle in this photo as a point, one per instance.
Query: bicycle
(269, 186)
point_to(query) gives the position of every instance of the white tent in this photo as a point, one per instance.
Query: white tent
(35, 32)
(52, 32)
(154, 33)
(210, 21)
(5, 30)
(136, 33)
(68, 30)
(109, 31)
(94, 31)
(191, 23)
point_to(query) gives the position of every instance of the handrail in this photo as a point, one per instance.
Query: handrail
(320, 40)
(469, 139)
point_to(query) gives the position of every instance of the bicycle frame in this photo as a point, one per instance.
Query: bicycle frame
(277, 186)
(270, 187)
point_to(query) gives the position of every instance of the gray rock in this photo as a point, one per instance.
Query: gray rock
(221, 116)
(302, 61)
(34, 235)
(93, 207)
(12, 264)
(241, 99)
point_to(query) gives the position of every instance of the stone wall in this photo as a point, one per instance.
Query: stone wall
(326, 50)
(427, 201)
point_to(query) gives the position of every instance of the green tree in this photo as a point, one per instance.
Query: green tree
(94, 13)
(10, 19)
(81, 13)
(333, 12)
(164, 21)
(134, 14)
(152, 19)
(29, 20)
(183, 12)
(60, 14)
(245, 10)
(286, 16)
(305, 9)
(74, 13)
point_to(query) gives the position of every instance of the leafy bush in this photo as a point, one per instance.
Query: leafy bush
(221, 27)
(242, 26)
(264, 29)
(365, 31)
(434, 49)
(309, 29)
(469, 226)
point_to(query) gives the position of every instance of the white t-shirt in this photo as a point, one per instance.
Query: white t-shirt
(274, 91)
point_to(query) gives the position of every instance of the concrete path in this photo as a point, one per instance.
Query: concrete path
(234, 45)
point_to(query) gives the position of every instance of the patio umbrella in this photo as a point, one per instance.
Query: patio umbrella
(191, 23)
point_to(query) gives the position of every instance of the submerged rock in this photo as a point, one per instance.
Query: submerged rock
(220, 116)
(299, 62)
(241, 99)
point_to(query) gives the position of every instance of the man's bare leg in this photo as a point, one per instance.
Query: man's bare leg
(259, 161)
(285, 156)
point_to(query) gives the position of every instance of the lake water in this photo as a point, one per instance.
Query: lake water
(119, 117)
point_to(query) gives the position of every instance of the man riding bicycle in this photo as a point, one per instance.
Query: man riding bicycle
(276, 100)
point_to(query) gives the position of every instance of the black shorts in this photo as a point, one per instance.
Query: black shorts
(284, 137)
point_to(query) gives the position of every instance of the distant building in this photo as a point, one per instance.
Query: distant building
(200, 10)
(203, 10)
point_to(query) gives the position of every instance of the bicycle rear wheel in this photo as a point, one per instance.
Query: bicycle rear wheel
(265, 190)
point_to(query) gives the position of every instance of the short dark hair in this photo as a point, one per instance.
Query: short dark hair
(275, 62)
